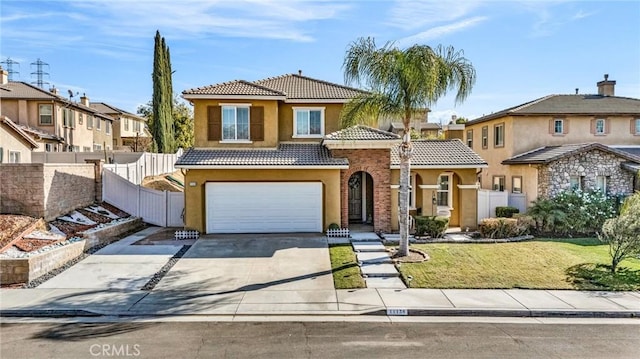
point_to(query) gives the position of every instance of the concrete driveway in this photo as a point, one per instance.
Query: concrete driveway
(250, 262)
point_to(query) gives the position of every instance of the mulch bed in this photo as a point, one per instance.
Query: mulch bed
(114, 210)
(98, 218)
(30, 245)
(13, 227)
(415, 256)
(70, 229)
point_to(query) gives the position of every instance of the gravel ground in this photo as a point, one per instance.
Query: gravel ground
(165, 269)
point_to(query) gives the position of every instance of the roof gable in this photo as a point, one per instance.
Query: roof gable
(235, 88)
(440, 154)
(298, 87)
(361, 133)
(547, 154)
(18, 131)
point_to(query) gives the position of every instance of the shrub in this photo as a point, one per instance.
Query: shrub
(334, 226)
(622, 233)
(496, 228)
(506, 211)
(433, 226)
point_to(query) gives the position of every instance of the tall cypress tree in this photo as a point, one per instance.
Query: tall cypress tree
(162, 102)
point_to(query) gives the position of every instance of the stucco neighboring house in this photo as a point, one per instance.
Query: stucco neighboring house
(50, 116)
(548, 125)
(15, 144)
(270, 156)
(129, 131)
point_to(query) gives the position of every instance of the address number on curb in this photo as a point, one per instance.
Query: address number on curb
(397, 311)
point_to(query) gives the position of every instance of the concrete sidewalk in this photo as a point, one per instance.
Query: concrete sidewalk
(426, 302)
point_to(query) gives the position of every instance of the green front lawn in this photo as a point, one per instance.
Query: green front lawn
(346, 273)
(539, 264)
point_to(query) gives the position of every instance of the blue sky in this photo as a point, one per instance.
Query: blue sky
(521, 50)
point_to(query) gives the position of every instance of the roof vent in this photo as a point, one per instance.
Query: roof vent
(300, 72)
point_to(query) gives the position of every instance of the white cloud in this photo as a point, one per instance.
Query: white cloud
(414, 14)
(581, 15)
(440, 31)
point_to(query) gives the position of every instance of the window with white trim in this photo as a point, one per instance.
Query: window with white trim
(470, 138)
(89, 122)
(516, 184)
(600, 126)
(308, 121)
(498, 183)
(485, 137)
(126, 124)
(107, 127)
(498, 135)
(235, 123)
(136, 126)
(98, 124)
(575, 182)
(444, 193)
(14, 157)
(86, 149)
(637, 126)
(45, 114)
(97, 147)
(601, 184)
(558, 126)
(68, 117)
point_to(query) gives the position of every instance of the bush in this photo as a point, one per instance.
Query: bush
(334, 226)
(622, 233)
(433, 226)
(497, 228)
(506, 211)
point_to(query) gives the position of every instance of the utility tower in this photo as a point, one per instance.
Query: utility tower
(9, 66)
(39, 73)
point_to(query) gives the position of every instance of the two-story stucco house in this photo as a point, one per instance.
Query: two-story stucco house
(57, 123)
(15, 144)
(129, 131)
(560, 142)
(270, 156)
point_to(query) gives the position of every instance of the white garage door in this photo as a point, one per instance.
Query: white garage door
(264, 207)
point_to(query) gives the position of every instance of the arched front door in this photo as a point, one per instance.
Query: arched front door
(360, 198)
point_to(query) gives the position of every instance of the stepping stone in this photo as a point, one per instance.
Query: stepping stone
(385, 282)
(373, 257)
(366, 236)
(379, 270)
(368, 246)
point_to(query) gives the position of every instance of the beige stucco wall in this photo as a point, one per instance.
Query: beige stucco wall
(465, 201)
(10, 141)
(195, 196)
(270, 123)
(100, 136)
(285, 122)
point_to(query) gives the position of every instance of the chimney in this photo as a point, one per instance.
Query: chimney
(84, 99)
(5, 76)
(54, 90)
(606, 87)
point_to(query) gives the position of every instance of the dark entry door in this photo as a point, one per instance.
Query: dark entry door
(355, 197)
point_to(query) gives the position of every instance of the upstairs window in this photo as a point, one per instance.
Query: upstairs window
(45, 114)
(485, 137)
(308, 122)
(498, 135)
(637, 126)
(558, 126)
(98, 124)
(68, 117)
(470, 138)
(126, 124)
(14, 157)
(107, 127)
(600, 126)
(235, 123)
(89, 122)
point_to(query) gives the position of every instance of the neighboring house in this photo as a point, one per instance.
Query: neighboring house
(52, 117)
(269, 156)
(420, 124)
(129, 131)
(15, 144)
(546, 126)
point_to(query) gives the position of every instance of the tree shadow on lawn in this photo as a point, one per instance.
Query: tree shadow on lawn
(592, 276)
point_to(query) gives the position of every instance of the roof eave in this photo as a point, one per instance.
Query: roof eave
(359, 144)
(316, 100)
(262, 167)
(442, 166)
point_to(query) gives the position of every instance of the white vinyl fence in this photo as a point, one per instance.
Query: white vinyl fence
(488, 201)
(148, 164)
(161, 208)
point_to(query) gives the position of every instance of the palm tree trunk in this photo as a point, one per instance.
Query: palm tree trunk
(403, 203)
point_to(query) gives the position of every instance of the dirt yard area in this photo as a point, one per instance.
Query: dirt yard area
(163, 183)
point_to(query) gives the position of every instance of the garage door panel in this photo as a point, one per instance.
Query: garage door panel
(263, 207)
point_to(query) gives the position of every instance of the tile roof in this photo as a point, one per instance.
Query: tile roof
(108, 109)
(361, 133)
(23, 90)
(287, 154)
(235, 88)
(421, 126)
(41, 134)
(551, 153)
(306, 88)
(441, 154)
(634, 150)
(18, 130)
(570, 104)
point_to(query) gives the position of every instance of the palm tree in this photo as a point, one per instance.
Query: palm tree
(402, 82)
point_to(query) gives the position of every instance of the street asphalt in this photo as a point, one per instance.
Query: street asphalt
(248, 275)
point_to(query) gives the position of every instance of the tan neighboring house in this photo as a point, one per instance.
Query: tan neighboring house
(270, 156)
(15, 144)
(559, 142)
(130, 131)
(61, 125)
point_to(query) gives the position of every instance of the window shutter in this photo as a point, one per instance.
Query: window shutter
(565, 126)
(593, 126)
(257, 123)
(214, 123)
(632, 126)
(606, 126)
(552, 123)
